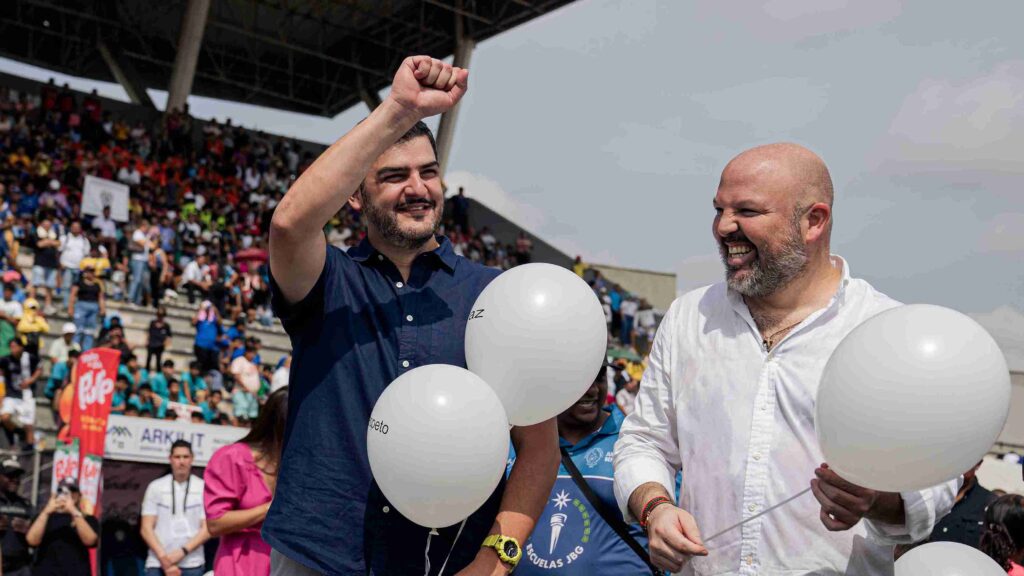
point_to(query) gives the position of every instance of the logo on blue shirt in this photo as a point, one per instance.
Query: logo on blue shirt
(561, 540)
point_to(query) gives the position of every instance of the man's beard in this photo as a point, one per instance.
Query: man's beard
(772, 270)
(385, 221)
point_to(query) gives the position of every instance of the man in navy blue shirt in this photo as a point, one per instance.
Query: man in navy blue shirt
(358, 320)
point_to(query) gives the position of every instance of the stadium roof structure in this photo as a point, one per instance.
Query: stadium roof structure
(311, 56)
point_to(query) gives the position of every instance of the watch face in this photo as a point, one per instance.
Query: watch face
(511, 549)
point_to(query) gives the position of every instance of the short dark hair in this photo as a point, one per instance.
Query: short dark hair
(181, 444)
(168, 363)
(420, 129)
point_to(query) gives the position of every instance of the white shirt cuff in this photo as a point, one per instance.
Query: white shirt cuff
(920, 518)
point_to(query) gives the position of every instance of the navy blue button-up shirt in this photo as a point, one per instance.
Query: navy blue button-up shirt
(361, 327)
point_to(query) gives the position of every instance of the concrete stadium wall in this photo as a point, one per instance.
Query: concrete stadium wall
(507, 231)
(658, 287)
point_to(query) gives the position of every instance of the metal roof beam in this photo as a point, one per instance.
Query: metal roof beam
(295, 48)
(460, 11)
(243, 85)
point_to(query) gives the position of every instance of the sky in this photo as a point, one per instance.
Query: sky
(603, 129)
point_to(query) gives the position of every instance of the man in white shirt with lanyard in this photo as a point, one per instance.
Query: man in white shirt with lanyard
(174, 520)
(728, 397)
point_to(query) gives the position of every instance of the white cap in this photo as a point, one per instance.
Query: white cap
(54, 185)
(69, 328)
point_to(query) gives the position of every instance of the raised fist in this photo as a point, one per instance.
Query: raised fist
(426, 86)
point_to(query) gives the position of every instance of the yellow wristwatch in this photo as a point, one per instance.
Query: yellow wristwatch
(507, 548)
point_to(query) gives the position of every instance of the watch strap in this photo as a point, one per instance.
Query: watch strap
(497, 542)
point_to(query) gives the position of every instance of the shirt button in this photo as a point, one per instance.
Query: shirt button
(380, 256)
(409, 317)
(752, 507)
(944, 530)
(757, 457)
(405, 363)
(387, 509)
(399, 285)
(764, 407)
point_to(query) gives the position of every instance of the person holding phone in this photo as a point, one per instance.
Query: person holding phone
(62, 534)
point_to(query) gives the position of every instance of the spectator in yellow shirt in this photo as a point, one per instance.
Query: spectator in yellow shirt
(32, 325)
(97, 261)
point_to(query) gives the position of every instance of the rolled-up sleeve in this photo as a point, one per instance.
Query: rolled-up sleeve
(923, 509)
(647, 449)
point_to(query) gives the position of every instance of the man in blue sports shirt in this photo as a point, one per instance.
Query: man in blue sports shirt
(572, 538)
(358, 320)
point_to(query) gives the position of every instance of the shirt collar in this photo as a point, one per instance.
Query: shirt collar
(444, 252)
(609, 428)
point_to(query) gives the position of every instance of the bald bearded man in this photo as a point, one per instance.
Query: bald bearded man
(728, 397)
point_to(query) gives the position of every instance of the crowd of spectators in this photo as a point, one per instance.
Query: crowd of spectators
(200, 206)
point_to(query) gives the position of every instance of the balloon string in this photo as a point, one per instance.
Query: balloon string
(426, 553)
(758, 515)
(454, 542)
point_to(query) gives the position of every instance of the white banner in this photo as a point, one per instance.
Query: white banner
(100, 192)
(65, 463)
(184, 411)
(149, 440)
(89, 483)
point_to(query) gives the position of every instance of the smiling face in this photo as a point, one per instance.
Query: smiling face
(401, 197)
(586, 410)
(761, 220)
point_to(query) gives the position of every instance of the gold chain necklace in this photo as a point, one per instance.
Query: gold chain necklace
(770, 340)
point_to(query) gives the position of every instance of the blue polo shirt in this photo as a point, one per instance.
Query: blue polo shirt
(359, 328)
(570, 536)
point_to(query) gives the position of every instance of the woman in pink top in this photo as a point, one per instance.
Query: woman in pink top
(1003, 538)
(240, 481)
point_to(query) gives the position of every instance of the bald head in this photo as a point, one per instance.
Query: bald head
(783, 169)
(773, 218)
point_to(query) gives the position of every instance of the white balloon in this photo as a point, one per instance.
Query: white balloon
(438, 442)
(537, 335)
(947, 559)
(911, 398)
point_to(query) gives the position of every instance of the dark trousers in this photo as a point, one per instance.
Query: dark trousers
(152, 353)
(192, 289)
(208, 359)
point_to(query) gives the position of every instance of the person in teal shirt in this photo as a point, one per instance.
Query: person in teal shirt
(159, 381)
(120, 397)
(147, 400)
(130, 369)
(60, 375)
(175, 392)
(192, 381)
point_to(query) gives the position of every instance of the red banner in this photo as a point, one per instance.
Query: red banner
(94, 391)
(94, 378)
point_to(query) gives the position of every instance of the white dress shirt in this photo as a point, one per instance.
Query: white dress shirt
(739, 422)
